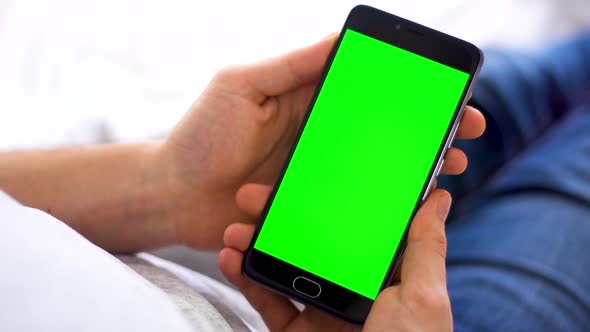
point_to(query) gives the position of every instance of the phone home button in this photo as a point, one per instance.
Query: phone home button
(307, 287)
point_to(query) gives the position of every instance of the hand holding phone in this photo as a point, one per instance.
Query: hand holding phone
(421, 293)
(383, 117)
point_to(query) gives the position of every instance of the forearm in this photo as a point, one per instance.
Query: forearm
(115, 195)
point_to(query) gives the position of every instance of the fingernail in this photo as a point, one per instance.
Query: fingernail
(444, 204)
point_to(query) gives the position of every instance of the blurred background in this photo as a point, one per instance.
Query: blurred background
(81, 71)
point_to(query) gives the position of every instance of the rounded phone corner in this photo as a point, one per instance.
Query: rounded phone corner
(479, 56)
(360, 8)
(475, 53)
(247, 267)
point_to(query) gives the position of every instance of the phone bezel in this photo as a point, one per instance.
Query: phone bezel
(336, 300)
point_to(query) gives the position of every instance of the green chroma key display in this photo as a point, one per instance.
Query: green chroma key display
(361, 162)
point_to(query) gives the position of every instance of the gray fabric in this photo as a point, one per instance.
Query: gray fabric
(204, 262)
(204, 312)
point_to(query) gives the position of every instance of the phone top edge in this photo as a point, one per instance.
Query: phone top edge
(366, 8)
(362, 10)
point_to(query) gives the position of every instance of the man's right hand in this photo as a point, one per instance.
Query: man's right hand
(419, 302)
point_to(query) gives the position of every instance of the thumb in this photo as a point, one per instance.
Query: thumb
(284, 73)
(424, 260)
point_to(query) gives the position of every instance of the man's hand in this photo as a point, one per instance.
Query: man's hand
(240, 131)
(418, 303)
(130, 197)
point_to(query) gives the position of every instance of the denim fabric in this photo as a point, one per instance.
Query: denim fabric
(519, 232)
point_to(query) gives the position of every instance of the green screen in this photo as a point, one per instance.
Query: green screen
(361, 162)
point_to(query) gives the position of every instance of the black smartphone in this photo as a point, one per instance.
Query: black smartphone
(385, 111)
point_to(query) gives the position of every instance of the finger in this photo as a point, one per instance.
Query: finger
(276, 310)
(455, 162)
(284, 73)
(230, 263)
(472, 124)
(238, 236)
(424, 259)
(252, 197)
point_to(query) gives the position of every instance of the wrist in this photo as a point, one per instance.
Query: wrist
(194, 207)
(157, 195)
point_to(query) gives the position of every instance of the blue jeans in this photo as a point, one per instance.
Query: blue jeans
(519, 232)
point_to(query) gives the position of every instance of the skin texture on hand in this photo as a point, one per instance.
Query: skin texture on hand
(419, 302)
(132, 197)
(240, 131)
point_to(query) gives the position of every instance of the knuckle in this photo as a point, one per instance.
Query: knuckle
(430, 298)
(435, 242)
(439, 243)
